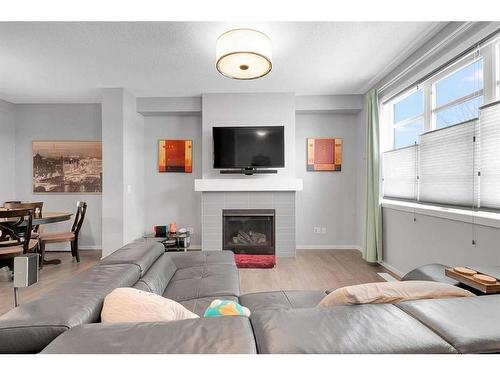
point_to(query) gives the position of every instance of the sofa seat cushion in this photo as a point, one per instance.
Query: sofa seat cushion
(344, 329)
(201, 258)
(203, 281)
(224, 335)
(31, 326)
(200, 305)
(141, 253)
(281, 299)
(471, 325)
(156, 279)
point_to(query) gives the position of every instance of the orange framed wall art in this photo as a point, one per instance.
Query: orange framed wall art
(324, 154)
(175, 155)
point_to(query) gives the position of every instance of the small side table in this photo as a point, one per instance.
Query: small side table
(174, 242)
(472, 283)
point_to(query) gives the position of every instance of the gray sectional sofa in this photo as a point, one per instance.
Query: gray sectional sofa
(66, 320)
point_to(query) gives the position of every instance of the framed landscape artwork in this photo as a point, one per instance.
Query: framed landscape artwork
(175, 155)
(67, 166)
(324, 154)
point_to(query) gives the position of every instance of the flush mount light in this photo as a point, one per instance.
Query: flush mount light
(243, 54)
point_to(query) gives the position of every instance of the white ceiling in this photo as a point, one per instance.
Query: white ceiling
(69, 62)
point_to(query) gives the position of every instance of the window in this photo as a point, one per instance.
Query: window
(497, 71)
(458, 96)
(408, 121)
(432, 138)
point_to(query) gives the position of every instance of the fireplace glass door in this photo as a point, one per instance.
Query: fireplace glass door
(249, 231)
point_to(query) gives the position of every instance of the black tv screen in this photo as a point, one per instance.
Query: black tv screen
(249, 147)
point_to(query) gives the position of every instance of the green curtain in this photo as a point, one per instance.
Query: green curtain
(372, 244)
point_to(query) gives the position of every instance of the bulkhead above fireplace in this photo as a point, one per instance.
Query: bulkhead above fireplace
(249, 231)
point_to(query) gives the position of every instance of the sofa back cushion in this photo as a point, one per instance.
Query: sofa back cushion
(141, 253)
(30, 327)
(202, 258)
(223, 335)
(391, 292)
(156, 279)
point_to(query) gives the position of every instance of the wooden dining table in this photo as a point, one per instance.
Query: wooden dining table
(48, 217)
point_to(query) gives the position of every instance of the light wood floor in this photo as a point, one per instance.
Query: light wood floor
(50, 276)
(310, 270)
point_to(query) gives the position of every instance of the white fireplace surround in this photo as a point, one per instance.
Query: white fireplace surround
(249, 184)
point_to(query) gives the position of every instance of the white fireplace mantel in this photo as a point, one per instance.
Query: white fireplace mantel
(248, 184)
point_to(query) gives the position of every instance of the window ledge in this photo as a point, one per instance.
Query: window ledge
(489, 219)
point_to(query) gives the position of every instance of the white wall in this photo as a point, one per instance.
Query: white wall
(133, 170)
(171, 196)
(276, 109)
(112, 164)
(409, 244)
(57, 122)
(329, 199)
(123, 176)
(7, 151)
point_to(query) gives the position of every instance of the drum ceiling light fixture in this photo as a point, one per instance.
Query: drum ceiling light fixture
(243, 54)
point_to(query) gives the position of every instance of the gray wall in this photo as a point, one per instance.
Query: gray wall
(171, 196)
(329, 199)
(409, 244)
(247, 110)
(7, 151)
(337, 192)
(57, 122)
(361, 176)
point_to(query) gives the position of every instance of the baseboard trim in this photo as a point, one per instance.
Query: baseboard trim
(82, 248)
(391, 268)
(329, 247)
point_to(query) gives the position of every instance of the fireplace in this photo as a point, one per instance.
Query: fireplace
(249, 231)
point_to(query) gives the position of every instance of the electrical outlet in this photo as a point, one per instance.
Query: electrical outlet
(323, 230)
(317, 230)
(190, 230)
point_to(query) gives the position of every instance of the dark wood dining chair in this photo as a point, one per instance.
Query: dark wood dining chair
(71, 237)
(35, 206)
(15, 235)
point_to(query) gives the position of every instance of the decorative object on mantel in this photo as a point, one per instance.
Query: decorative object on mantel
(324, 154)
(243, 54)
(175, 155)
(67, 166)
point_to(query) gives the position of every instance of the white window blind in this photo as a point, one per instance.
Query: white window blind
(446, 165)
(490, 156)
(400, 172)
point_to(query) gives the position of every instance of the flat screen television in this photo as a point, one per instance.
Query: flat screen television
(249, 147)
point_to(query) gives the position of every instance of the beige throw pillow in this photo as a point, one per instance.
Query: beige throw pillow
(392, 292)
(128, 305)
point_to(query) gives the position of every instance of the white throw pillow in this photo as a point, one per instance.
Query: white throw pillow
(392, 292)
(130, 305)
